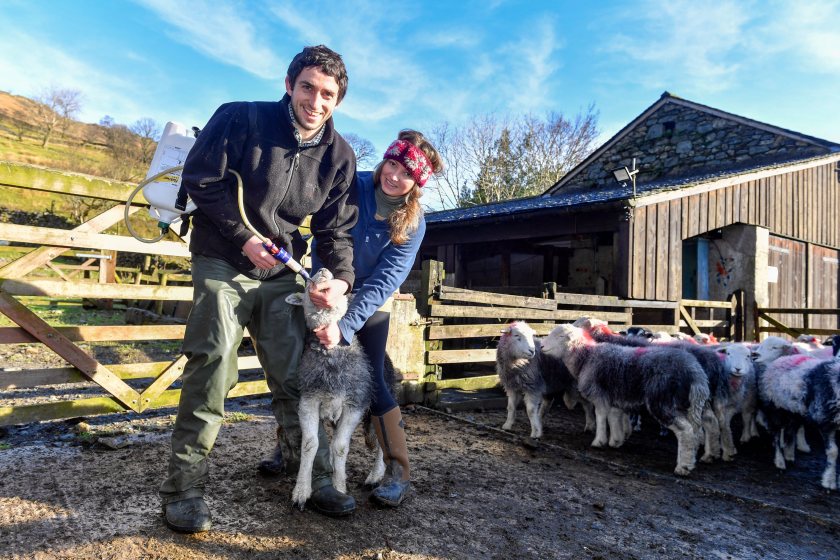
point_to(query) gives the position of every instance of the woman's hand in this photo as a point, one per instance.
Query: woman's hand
(329, 335)
(325, 294)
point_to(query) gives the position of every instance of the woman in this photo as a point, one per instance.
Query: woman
(385, 243)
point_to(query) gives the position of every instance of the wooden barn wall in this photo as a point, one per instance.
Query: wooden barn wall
(801, 204)
(790, 258)
(824, 285)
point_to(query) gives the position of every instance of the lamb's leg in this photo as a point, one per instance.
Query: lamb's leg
(377, 471)
(340, 446)
(749, 429)
(724, 411)
(789, 439)
(618, 429)
(801, 442)
(778, 446)
(711, 429)
(686, 445)
(513, 402)
(532, 407)
(589, 412)
(309, 414)
(601, 414)
(829, 476)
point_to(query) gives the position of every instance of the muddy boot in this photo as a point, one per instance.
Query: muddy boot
(326, 500)
(187, 516)
(396, 484)
(274, 465)
(283, 459)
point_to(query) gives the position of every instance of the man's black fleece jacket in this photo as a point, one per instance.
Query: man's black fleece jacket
(283, 183)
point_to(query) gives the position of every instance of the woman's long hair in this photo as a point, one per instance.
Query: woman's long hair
(405, 220)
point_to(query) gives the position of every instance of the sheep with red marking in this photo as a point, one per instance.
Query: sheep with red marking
(667, 382)
(526, 373)
(796, 388)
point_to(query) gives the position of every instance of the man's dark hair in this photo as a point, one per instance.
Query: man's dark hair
(327, 60)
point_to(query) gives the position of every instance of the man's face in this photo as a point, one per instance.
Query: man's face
(314, 98)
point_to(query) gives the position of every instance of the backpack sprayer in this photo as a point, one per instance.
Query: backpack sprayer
(168, 201)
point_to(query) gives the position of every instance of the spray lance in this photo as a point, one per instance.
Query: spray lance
(168, 202)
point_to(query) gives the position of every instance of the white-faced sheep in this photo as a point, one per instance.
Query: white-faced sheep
(794, 388)
(667, 382)
(335, 384)
(524, 373)
(774, 347)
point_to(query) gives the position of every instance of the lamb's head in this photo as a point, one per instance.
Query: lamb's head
(812, 341)
(518, 341)
(639, 332)
(316, 317)
(771, 348)
(592, 324)
(564, 338)
(736, 358)
(703, 338)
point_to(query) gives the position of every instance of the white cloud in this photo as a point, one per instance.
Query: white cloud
(806, 30)
(217, 29)
(530, 65)
(679, 42)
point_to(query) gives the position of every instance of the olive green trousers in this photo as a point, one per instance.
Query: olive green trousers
(225, 302)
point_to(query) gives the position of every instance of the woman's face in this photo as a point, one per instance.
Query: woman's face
(395, 180)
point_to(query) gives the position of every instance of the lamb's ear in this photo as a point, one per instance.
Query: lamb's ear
(295, 299)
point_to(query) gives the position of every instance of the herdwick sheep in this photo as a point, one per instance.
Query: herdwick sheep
(668, 382)
(774, 347)
(524, 373)
(797, 388)
(729, 370)
(335, 384)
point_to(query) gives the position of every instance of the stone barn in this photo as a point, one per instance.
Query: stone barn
(721, 202)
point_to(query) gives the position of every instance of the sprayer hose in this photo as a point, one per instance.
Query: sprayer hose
(130, 198)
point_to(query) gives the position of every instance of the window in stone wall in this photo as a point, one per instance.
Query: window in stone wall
(669, 129)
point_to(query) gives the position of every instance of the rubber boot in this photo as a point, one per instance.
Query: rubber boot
(274, 465)
(396, 484)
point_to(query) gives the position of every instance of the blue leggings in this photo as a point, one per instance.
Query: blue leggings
(373, 336)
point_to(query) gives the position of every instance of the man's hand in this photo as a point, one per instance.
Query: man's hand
(329, 335)
(325, 294)
(257, 254)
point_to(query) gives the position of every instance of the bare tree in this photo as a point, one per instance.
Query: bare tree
(149, 132)
(56, 107)
(125, 163)
(491, 159)
(363, 148)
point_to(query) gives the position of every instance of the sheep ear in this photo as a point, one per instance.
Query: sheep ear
(295, 299)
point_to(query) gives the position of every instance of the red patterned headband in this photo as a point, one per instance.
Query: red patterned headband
(412, 158)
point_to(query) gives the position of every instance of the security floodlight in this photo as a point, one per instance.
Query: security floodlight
(622, 175)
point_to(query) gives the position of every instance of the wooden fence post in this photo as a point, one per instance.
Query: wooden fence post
(433, 274)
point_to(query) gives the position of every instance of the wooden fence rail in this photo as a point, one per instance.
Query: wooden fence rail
(778, 327)
(464, 325)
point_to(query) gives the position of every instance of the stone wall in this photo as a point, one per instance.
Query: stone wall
(678, 141)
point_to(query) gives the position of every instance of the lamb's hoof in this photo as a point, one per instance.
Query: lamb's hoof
(729, 457)
(598, 443)
(616, 443)
(682, 470)
(507, 427)
(531, 443)
(330, 502)
(829, 482)
(707, 459)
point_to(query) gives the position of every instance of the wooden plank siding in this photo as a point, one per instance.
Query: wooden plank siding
(801, 204)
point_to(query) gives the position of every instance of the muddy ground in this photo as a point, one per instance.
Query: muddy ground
(481, 493)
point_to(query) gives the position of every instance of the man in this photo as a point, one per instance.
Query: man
(293, 163)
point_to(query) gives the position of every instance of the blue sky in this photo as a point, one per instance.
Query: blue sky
(417, 64)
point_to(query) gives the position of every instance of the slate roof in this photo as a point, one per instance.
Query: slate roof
(584, 196)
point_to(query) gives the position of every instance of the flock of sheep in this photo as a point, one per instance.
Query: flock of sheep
(691, 387)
